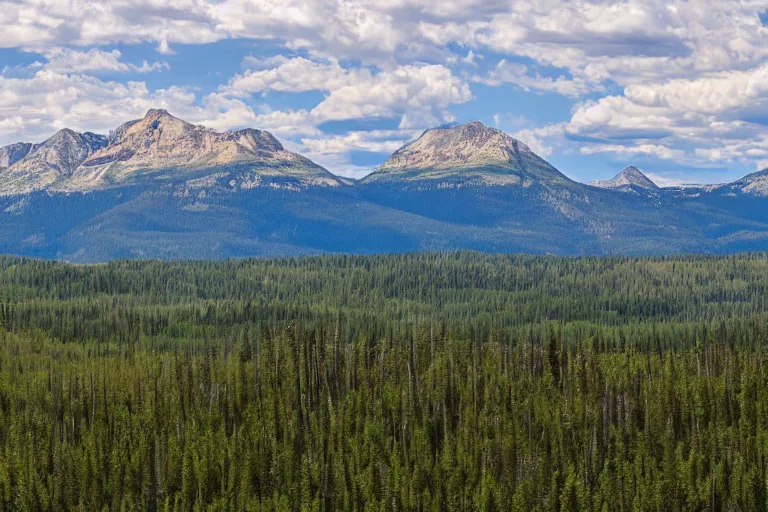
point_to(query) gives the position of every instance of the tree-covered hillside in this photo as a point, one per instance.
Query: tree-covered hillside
(456, 381)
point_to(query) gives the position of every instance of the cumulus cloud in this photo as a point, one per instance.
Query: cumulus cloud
(618, 118)
(293, 75)
(66, 60)
(711, 93)
(518, 74)
(656, 150)
(686, 76)
(332, 150)
(31, 109)
(541, 139)
(164, 48)
(419, 94)
(41, 23)
(716, 117)
(590, 38)
(376, 141)
(414, 90)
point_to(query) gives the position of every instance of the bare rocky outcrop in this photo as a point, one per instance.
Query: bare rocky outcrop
(12, 153)
(50, 162)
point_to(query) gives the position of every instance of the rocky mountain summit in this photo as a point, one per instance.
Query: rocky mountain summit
(161, 144)
(471, 152)
(157, 147)
(628, 179)
(50, 162)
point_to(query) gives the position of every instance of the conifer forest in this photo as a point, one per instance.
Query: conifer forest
(417, 382)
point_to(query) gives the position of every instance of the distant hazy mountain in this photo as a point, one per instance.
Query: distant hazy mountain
(160, 187)
(630, 178)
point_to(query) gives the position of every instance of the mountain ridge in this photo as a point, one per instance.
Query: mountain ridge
(460, 151)
(160, 187)
(158, 146)
(754, 183)
(50, 161)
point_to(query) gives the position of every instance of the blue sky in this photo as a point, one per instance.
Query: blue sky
(679, 89)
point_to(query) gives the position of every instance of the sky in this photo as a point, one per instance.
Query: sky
(677, 88)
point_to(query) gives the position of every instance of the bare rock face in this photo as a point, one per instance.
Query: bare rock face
(471, 151)
(162, 145)
(52, 161)
(469, 145)
(12, 153)
(628, 179)
(158, 146)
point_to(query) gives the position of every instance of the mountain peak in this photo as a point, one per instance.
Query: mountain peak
(63, 136)
(158, 146)
(158, 116)
(64, 151)
(162, 145)
(456, 146)
(154, 113)
(64, 132)
(630, 177)
(466, 152)
(46, 163)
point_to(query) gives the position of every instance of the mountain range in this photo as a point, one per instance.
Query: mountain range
(160, 187)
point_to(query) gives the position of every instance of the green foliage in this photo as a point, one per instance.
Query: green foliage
(415, 382)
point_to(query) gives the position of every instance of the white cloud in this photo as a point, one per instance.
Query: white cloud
(589, 38)
(716, 117)
(376, 141)
(656, 150)
(41, 23)
(332, 151)
(419, 94)
(415, 91)
(66, 60)
(164, 48)
(293, 75)
(287, 123)
(34, 108)
(668, 180)
(594, 40)
(710, 93)
(690, 76)
(540, 139)
(616, 117)
(518, 74)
